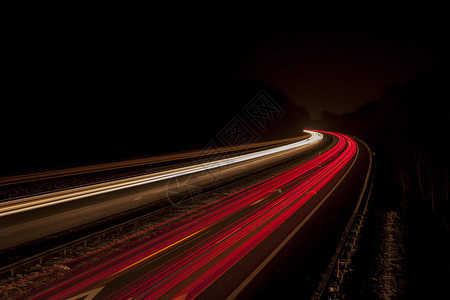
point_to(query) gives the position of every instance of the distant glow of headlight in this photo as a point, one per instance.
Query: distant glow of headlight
(57, 198)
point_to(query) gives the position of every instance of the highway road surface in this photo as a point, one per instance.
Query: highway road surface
(264, 241)
(25, 219)
(184, 156)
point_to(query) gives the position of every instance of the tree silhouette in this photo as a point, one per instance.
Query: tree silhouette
(409, 122)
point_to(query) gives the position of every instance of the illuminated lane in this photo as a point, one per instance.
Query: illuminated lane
(39, 201)
(15, 179)
(183, 262)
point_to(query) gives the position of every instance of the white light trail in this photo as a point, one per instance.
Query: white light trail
(34, 202)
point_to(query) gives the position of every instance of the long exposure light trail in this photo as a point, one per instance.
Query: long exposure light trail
(195, 252)
(30, 203)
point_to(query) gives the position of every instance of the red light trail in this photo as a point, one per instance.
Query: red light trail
(195, 252)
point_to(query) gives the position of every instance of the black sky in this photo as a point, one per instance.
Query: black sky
(327, 61)
(119, 83)
(337, 69)
(338, 66)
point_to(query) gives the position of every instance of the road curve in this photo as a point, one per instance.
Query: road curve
(50, 174)
(29, 218)
(217, 250)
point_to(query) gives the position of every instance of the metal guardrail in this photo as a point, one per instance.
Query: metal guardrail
(333, 278)
(22, 264)
(45, 175)
(11, 269)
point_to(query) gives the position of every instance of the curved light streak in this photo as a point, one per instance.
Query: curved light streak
(30, 203)
(187, 259)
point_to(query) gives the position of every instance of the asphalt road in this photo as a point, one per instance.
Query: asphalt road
(26, 219)
(295, 271)
(271, 240)
(161, 159)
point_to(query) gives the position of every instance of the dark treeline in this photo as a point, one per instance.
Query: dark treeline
(81, 93)
(70, 123)
(408, 127)
(220, 113)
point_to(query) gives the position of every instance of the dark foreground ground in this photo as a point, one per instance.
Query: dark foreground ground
(403, 250)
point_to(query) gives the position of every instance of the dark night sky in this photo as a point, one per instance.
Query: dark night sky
(77, 85)
(332, 62)
(338, 66)
(337, 69)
